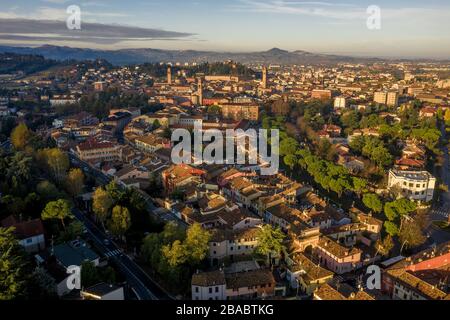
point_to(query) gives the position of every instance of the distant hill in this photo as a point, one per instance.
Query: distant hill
(139, 56)
(26, 63)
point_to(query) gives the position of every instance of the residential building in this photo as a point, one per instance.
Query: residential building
(94, 151)
(414, 185)
(30, 233)
(337, 257)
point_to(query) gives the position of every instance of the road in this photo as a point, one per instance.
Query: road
(441, 210)
(144, 287)
(104, 179)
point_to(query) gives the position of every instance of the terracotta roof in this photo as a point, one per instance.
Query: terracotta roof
(24, 229)
(207, 279)
(327, 292)
(312, 271)
(94, 144)
(336, 249)
(249, 279)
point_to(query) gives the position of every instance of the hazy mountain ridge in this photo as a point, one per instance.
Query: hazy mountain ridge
(138, 56)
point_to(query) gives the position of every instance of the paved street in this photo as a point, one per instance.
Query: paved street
(144, 287)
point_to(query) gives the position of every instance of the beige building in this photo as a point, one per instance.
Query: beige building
(247, 111)
(96, 151)
(388, 98)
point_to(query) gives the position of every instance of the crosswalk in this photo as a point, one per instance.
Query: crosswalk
(113, 253)
(442, 211)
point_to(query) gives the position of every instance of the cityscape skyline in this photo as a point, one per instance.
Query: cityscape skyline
(409, 29)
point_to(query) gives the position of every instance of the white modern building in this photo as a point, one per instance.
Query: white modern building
(414, 185)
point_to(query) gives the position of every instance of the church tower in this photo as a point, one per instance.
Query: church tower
(264, 78)
(169, 75)
(200, 91)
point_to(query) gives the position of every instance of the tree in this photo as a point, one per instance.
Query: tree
(411, 234)
(288, 146)
(74, 230)
(89, 274)
(102, 204)
(270, 240)
(447, 117)
(59, 209)
(120, 221)
(385, 246)
(373, 202)
(20, 136)
(391, 228)
(196, 243)
(56, 161)
(44, 283)
(156, 124)
(48, 190)
(116, 194)
(12, 266)
(290, 160)
(75, 181)
(176, 253)
(396, 209)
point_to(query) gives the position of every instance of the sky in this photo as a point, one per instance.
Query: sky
(410, 28)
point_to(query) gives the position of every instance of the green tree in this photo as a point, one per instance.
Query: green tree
(176, 253)
(48, 190)
(44, 283)
(115, 192)
(373, 202)
(89, 274)
(55, 161)
(391, 228)
(59, 209)
(396, 209)
(101, 204)
(288, 146)
(75, 181)
(290, 160)
(12, 266)
(196, 243)
(270, 240)
(120, 221)
(20, 136)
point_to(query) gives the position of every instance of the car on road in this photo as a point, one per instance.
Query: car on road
(106, 242)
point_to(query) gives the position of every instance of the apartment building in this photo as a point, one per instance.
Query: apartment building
(247, 111)
(94, 151)
(389, 98)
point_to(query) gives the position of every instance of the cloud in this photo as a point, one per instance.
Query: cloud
(338, 11)
(30, 30)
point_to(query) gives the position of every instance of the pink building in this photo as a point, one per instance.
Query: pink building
(338, 258)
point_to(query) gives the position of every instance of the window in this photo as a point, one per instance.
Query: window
(217, 289)
(196, 289)
(210, 290)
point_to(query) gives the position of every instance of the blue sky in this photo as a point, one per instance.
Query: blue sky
(408, 28)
